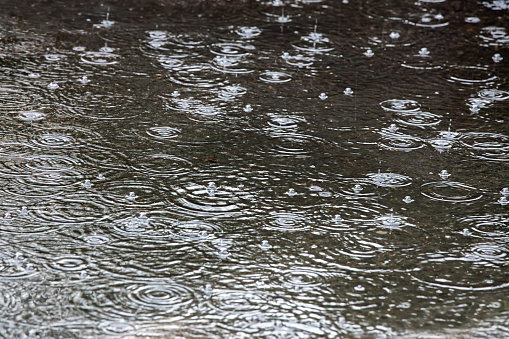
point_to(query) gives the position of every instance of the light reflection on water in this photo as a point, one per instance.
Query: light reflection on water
(271, 174)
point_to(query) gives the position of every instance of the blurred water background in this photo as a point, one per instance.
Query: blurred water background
(254, 169)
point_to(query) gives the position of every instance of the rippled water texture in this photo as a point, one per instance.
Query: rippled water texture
(254, 169)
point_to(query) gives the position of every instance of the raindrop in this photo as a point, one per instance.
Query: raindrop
(369, 53)
(337, 219)
(359, 288)
(357, 188)
(53, 85)
(211, 189)
(131, 196)
(444, 174)
(424, 52)
(408, 199)
(275, 77)
(291, 192)
(84, 80)
(265, 245)
(472, 20)
(397, 105)
(393, 128)
(497, 58)
(505, 192)
(391, 221)
(248, 108)
(394, 35)
(23, 211)
(31, 116)
(86, 184)
(503, 201)
(348, 91)
(248, 32)
(323, 96)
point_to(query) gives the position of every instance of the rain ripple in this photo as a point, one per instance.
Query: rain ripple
(450, 191)
(490, 226)
(487, 146)
(211, 199)
(138, 300)
(288, 222)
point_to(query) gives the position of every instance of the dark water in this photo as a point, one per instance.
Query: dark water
(247, 169)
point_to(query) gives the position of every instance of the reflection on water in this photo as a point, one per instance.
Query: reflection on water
(254, 169)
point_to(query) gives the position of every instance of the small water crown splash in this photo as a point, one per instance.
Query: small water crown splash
(369, 53)
(444, 174)
(497, 58)
(423, 52)
(106, 23)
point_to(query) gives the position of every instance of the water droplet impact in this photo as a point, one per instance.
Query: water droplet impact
(265, 245)
(503, 201)
(211, 189)
(391, 221)
(248, 32)
(397, 105)
(53, 85)
(84, 80)
(23, 211)
(449, 191)
(86, 184)
(497, 58)
(394, 35)
(408, 199)
(444, 174)
(275, 77)
(337, 219)
(389, 179)
(31, 116)
(291, 192)
(393, 128)
(323, 96)
(472, 20)
(505, 192)
(493, 95)
(131, 196)
(248, 108)
(348, 91)
(357, 188)
(359, 288)
(423, 52)
(369, 53)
